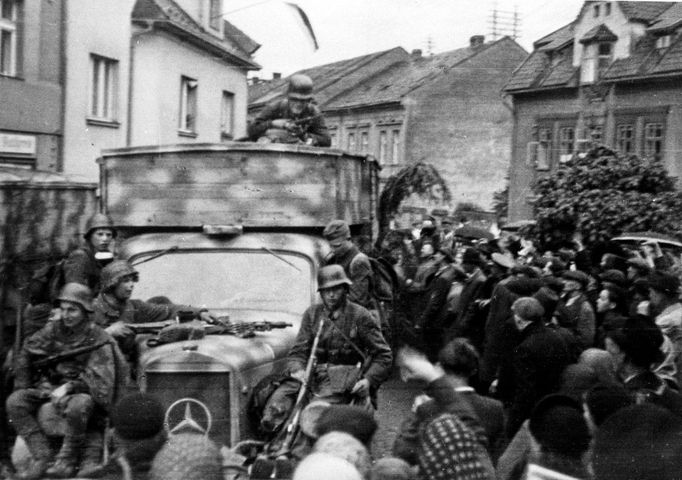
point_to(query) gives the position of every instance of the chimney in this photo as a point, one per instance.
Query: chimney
(417, 53)
(476, 41)
(276, 75)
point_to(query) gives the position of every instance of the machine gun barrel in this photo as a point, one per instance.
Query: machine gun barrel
(59, 357)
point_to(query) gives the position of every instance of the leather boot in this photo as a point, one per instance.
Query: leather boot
(66, 460)
(41, 452)
(91, 466)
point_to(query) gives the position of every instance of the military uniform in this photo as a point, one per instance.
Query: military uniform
(333, 349)
(359, 270)
(82, 267)
(312, 125)
(97, 378)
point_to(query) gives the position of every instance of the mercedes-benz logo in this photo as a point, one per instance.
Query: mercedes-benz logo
(196, 416)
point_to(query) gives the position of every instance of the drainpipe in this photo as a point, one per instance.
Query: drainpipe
(148, 27)
(62, 82)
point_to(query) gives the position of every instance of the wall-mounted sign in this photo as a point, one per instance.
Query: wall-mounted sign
(16, 144)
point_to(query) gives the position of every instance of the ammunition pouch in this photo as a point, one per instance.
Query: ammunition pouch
(342, 378)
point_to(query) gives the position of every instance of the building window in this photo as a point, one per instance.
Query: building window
(625, 137)
(188, 105)
(566, 143)
(653, 140)
(607, 9)
(351, 142)
(595, 11)
(227, 116)
(605, 51)
(540, 149)
(597, 134)
(395, 146)
(333, 138)
(8, 37)
(364, 142)
(383, 147)
(663, 42)
(215, 14)
(103, 88)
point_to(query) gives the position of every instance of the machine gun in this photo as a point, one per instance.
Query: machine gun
(60, 357)
(170, 331)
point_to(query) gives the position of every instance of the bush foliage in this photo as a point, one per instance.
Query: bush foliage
(604, 194)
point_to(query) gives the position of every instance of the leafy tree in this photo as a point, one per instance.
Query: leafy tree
(421, 178)
(603, 194)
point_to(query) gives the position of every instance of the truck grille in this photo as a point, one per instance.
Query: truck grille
(210, 388)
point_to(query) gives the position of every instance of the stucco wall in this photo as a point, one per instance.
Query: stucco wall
(101, 28)
(159, 63)
(635, 98)
(32, 101)
(461, 125)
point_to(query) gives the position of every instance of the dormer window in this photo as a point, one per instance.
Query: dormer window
(597, 53)
(663, 41)
(605, 54)
(215, 12)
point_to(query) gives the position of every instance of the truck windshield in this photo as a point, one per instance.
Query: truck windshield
(234, 280)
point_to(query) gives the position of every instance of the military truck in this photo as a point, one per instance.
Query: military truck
(235, 228)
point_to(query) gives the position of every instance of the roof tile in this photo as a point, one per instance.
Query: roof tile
(646, 11)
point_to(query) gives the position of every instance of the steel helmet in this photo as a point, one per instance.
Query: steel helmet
(99, 220)
(300, 87)
(76, 293)
(115, 271)
(331, 276)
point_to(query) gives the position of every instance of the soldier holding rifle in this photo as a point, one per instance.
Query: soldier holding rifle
(352, 358)
(70, 370)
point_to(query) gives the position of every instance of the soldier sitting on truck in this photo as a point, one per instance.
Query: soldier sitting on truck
(352, 356)
(114, 308)
(72, 371)
(295, 119)
(84, 264)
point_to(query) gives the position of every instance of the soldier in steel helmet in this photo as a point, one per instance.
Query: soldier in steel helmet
(84, 264)
(296, 119)
(69, 389)
(353, 358)
(114, 307)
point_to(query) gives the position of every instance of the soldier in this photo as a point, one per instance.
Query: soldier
(352, 356)
(295, 119)
(82, 373)
(355, 264)
(84, 264)
(114, 308)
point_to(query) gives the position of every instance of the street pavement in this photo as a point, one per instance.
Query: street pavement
(395, 401)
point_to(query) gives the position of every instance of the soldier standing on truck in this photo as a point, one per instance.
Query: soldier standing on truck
(71, 370)
(114, 308)
(296, 119)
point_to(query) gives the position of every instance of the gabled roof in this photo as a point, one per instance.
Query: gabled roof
(168, 15)
(644, 11)
(243, 41)
(599, 33)
(546, 67)
(668, 20)
(393, 84)
(330, 79)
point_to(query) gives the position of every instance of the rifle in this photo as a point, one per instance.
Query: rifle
(241, 330)
(291, 427)
(59, 357)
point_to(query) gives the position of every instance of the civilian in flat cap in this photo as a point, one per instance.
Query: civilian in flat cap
(537, 361)
(635, 349)
(434, 318)
(574, 311)
(664, 291)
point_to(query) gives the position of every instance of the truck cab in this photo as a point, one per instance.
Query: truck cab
(234, 228)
